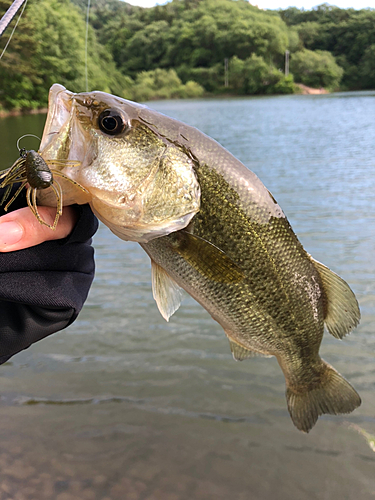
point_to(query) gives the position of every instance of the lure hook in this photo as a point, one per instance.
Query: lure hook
(25, 135)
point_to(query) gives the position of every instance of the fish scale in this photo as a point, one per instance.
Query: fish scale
(263, 293)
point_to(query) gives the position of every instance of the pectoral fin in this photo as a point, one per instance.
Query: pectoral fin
(342, 307)
(166, 292)
(205, 257)
(240, 352)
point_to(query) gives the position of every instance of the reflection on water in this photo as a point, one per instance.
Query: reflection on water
(370, 438)
(123, 405)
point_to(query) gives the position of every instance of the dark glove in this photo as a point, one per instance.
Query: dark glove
(43, 288)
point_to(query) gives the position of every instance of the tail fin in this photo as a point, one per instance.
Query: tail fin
(333, 395)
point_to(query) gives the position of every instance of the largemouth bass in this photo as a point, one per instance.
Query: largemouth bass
(212, 228)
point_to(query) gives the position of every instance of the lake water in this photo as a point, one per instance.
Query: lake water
(124, 406)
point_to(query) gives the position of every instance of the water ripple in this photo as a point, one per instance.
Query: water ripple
(144, 403)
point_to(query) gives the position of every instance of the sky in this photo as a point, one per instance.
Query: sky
(282, 4)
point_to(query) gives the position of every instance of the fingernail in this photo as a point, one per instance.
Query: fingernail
(10, 233)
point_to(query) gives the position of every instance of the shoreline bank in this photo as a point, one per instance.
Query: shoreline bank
(305, 90)
(18, 112)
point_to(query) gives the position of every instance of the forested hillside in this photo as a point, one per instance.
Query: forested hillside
(347, 34)
(181, 49)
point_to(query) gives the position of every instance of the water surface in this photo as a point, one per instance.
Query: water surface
(123, 405)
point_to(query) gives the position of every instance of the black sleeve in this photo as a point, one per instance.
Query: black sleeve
(43, 288)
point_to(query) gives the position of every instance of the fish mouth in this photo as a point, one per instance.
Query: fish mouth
(60, 128)
(57, 144)
(59, 108)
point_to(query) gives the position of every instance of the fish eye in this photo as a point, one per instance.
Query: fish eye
(111, 122)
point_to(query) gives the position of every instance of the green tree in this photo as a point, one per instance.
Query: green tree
(255, 76)
(196, 33)
(48, 47)
(211, 79)
(146, 48)
(324, 13)
(163, 84)
(316, 69)
(366, 68)
(346, 33)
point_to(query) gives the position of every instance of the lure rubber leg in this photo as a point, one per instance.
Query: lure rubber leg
(15, 195)
(60, 174)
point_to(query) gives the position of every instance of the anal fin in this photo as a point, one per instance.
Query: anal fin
(240, 352)
(166, 292)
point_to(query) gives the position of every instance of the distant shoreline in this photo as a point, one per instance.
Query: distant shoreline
(310, 90)
(19, 112)
(304, 91)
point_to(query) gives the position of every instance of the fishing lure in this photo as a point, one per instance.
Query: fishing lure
(32, 169)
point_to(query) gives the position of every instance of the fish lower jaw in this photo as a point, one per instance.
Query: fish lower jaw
(114, 199)
(129, 227)
(139, 234)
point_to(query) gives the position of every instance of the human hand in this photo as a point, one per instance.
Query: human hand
(20, 229)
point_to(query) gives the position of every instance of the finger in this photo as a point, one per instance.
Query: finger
(20, 229)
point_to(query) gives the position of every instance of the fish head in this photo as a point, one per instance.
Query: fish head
(139, 183)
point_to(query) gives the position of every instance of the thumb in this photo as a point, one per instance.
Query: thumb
(20, 229)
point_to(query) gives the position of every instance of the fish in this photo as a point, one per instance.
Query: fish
(211, 228)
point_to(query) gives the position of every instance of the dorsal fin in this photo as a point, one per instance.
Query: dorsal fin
(166, 292)
(240, 352)
(342, 310)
